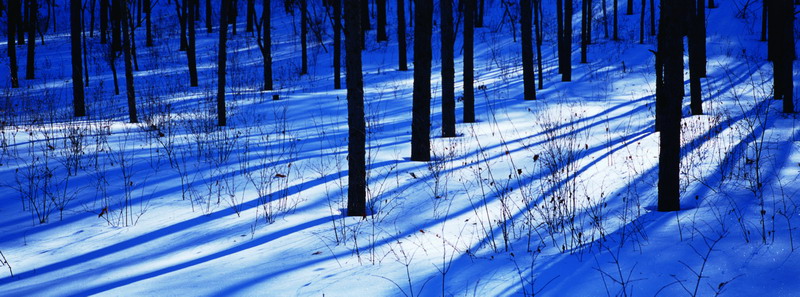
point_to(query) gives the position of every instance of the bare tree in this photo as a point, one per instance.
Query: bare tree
(190, 46)
(381, 7)
(222, 62)
(401, 36)
(448, 69)
(264, 40)
(126, 48)
(469, 63)
(526, 24)
(421, 107)
(356, 147)
(75, 47)
(13, 5)
(669, 94)
(33, 15)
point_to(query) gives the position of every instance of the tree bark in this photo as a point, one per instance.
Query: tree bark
(584, 30)
(616, 22)
(528, 79)
(630, 7)
(79, 107)
(670, 48)
(695, 39)
(12, 47)
(266, 51)
(566, 73)
(381, 7)
(104, 10)
(251, 15)
(402, 56)
(469, 32)
(537, 19)
(448, 70)
(126, 48)
(191, 50)
(208, 16)
(222, 60)
(337, 44)
(356, 146)
(421, 109)
(30, 66)
(148, 6)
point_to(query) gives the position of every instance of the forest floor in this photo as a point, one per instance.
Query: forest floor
(550, 197)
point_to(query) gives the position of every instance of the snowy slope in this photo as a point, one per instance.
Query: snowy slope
(552, 197)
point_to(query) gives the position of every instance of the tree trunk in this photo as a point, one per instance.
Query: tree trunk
(337, 44)
(381, 6)
(148, 23)
(304, 36)
(448, 69)
(605, 18)
(528, 79)
(701, 46)
(266, 51)
(479, 11)
(695, 39)
(33, 8)
(566, 73)
(402, 57)
(251, 15)
(182, 11)
(103, 21)
(670, 48)
(79, 106)
(12, 47)
(191, 50)
(421, 110)
(223, 57)
(126, 48)
(356, 146)
(469, 31)
(630, 7)
(537, 19)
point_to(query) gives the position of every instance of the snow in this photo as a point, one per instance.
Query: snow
(553, 197)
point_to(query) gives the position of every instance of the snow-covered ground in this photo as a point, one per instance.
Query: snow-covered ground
(553, 197)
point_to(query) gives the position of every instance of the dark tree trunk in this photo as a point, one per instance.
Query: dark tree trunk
(337, 44)
(233, 14)
(251, 15)
(222, 60)
(526, 24)
(566, 54)
(22, 23)
(79, 106)
(191, 50)
(357, 131)
(266, 47)
(711, 4)
(381, 6)
(695, 39)
(104, 11)
(126, 48)
(781, 43)
(12, 47)
(630, 7)
(670, 48)
(304, 36)
(30, 66)
(421, 110)
(448, 70)
(479, 11)
(148, 6)
(537, 19)
(469, 32)
(402, 57)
